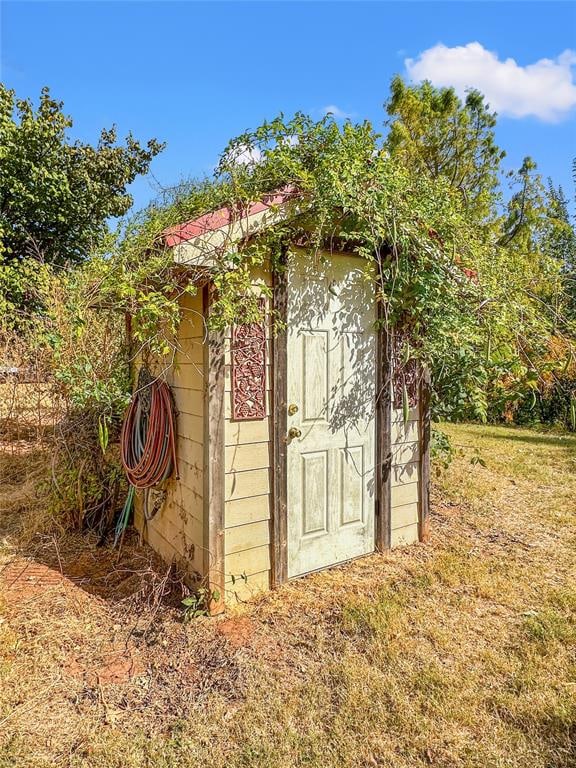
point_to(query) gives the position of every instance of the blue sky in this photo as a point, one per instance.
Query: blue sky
(196, 74)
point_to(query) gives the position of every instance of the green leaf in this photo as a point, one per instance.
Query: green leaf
(405, 404)
(189, 601)
(103, 435)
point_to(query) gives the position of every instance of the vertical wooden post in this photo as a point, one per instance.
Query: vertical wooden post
(424, 466)
(214, 441)
(384, 436)
(279, 416)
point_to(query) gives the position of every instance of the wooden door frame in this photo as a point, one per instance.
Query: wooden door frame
(279, 517)
(383, 431)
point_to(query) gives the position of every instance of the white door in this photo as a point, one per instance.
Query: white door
(331, 411)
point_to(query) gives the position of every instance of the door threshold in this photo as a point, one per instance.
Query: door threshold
(333, 565)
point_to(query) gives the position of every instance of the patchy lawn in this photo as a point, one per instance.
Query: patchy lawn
(458, 653)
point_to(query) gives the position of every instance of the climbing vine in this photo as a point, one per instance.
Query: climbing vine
(469, 285)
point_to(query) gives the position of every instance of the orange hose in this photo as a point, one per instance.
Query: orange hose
(148, 438)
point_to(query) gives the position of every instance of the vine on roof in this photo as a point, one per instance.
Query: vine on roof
(472, 286)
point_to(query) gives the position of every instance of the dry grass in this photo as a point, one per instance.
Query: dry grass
(460, 653)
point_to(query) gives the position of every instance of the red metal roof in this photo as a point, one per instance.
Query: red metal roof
(225, 216)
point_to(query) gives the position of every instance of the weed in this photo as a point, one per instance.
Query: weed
(547, 626)
(199, 602)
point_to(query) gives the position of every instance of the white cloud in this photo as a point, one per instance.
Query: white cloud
(246, 155)
(338, 113)
(545, 89)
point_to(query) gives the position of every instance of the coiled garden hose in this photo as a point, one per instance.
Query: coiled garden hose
(147, 441)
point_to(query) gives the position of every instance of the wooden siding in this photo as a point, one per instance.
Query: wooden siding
(405, 478)
(240, 458)
(177, 530)
(248, 485)
(249, 510)
(244, 432)
(243, 590)
(408, 534)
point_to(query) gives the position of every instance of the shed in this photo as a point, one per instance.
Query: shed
(294, 450)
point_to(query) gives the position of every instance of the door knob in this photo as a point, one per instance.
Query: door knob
(294, 432)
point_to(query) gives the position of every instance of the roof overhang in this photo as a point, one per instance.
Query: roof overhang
(200, 242)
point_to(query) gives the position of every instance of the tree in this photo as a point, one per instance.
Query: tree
(434, 133)
(524, 265)
(56, 196)
(559, 239)
(539, 242)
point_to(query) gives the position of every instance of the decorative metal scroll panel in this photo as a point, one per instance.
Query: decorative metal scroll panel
(249, 370)
(403, 375)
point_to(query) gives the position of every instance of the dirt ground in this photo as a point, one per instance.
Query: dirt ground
(460, 653)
